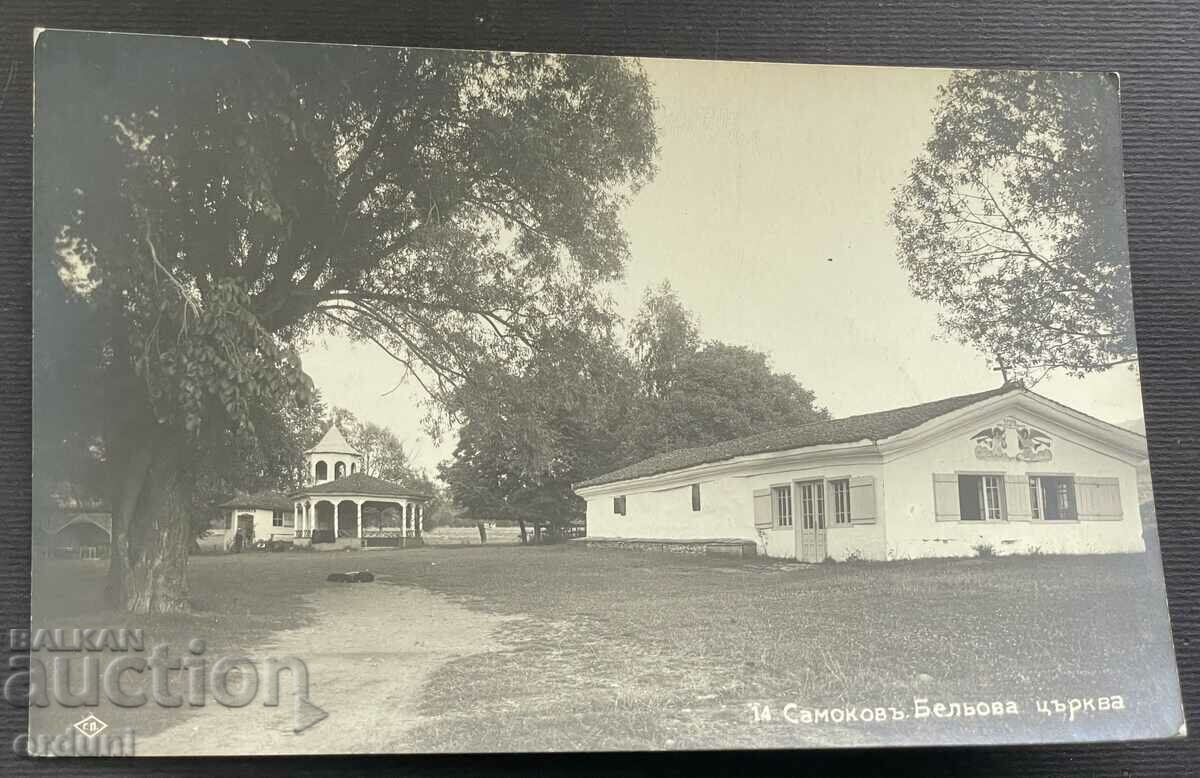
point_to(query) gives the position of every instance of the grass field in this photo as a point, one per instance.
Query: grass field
(611, 649)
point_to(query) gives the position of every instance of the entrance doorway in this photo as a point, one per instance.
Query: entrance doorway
(811, 525)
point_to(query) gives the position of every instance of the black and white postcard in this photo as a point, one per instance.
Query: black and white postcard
(396, 400)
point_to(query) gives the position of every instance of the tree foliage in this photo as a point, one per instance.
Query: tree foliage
(721, 392)
(208, 204)
(588, 406)
(663, 334)
(528, 436)
(1012, 221)
(383, 454)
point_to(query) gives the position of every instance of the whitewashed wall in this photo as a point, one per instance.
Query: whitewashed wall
(727, 512)
(263, 528)
(666, 514)
(914, 532)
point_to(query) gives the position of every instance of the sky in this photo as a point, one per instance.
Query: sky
(768, 215)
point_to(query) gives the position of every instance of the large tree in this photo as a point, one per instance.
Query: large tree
(208, 203)
(721, 392)
(693, 393)
(1012, 220)
(528, 436)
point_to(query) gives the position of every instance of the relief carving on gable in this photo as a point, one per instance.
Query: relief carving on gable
(1012, 439)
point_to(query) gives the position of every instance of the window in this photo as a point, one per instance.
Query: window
(781, 503)
(1052, 497)
(321, 471)
(840, 492)
(277, 519)
(695, 497)
(981, 497)
(619, 505)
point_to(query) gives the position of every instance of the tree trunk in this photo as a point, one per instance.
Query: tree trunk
(524, 537)
(151, 522)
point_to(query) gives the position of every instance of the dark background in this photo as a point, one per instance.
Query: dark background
(1154, 45)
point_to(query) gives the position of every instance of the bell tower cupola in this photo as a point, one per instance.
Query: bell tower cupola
(331, 458)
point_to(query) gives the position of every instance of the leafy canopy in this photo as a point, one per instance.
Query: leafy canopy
(1012, 221)
(446, 205)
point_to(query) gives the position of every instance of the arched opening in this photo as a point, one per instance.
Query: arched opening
(347, 519)
(339, 470)
(353, 468)
(321, 471)
(85, 538)
(324, 530)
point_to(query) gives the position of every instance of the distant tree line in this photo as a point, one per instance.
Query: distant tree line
(591, 402)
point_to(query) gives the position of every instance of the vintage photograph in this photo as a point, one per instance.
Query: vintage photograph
(398, 400)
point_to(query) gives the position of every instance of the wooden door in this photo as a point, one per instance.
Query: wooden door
(811, 508)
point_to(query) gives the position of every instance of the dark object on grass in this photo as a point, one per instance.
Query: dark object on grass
(358, 576)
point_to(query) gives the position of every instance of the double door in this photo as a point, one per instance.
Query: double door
(810, 525)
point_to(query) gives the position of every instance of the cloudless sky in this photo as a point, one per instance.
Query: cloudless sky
(769, 217)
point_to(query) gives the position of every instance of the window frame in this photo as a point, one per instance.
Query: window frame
(982, 502)
(277, 518)
(620, 506)
(1037, 488)
(782, 493)
(835, 506)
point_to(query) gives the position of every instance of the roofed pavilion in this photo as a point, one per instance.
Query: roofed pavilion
(361, 507)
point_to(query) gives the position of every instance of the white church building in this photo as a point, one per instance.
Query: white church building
(339, 505)
(1004, 471)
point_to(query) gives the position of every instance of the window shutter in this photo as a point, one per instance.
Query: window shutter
(862, 498)
(945, 497)
(1098, 499)
(762, 509)
(1016, 498)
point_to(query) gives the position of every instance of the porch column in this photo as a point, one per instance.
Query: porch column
(358, 515)
(420, 519)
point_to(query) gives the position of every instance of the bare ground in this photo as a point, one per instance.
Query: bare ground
(368, 655)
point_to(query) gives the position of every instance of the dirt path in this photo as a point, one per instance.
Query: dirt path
(368, 655)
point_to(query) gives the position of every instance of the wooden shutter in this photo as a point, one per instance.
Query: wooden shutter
(762, 509)
(1016, 498)
(1098, 499)
(862, 498)
(945, 497)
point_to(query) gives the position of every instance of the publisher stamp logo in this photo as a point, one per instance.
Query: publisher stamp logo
(90, 726)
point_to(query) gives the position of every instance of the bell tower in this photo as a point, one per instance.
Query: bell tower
(331, 458)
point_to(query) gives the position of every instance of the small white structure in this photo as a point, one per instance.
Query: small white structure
(340, 505)
(1006, 470)
(331, 458)
(261, 516)
(359, 509)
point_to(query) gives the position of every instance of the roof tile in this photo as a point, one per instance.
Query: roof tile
(867, 426)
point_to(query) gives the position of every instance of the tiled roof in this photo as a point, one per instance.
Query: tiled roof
(267, 499)
(868, 426)
(362, 484)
